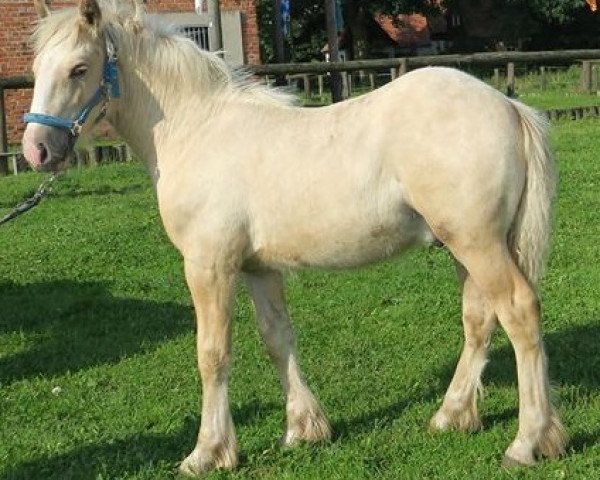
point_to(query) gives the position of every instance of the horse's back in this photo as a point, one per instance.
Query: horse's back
(436, 149)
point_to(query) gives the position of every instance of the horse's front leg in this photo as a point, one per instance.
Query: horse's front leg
(212, 291)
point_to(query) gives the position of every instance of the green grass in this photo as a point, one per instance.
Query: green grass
(94, 301)
(562, 88)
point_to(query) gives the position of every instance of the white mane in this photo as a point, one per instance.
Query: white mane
(163, 50)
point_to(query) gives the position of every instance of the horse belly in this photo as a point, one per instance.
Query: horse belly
(349, 242)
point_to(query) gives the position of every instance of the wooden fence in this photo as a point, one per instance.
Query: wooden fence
(398, 66)
(394, 66)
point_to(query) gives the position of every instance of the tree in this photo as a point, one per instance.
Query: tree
(306, 32)
(553, 11)
(307, 29)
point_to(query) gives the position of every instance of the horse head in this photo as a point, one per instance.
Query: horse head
(75, 77)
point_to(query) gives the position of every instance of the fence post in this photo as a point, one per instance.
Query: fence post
(393, 74)
(497, 78)
(372, 81)
(345, 85)
(92, 156)
(306, 81)
(321, 87)
(403, 67)
(3, 135)
(15, 164)
(586, 76)
(334, 53)
(543, 78)
(510, 79)
(128, 153)
(350, 84)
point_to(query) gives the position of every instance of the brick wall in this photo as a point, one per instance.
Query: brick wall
(250, 36)
(17, 18)
(170, 5)
(16, 23)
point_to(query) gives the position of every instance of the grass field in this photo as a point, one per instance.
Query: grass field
(93, 301)
(562, 88)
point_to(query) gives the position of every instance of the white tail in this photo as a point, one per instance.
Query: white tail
(530, 234)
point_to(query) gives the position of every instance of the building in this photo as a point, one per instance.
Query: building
(410, 34)
(239, 25)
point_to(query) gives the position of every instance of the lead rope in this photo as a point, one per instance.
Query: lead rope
(27, 204)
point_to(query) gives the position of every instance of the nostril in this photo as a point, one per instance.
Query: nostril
(43, 153)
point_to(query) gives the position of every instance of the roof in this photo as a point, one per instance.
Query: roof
(411, 29)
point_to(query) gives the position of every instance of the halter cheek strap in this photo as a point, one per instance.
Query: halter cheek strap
(109, 88)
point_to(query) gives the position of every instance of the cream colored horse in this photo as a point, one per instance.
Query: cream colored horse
(248, 184)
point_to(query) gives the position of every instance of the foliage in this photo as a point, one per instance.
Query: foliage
(553, 11)
(307, 31)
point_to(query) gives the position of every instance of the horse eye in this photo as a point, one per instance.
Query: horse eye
(79, 71)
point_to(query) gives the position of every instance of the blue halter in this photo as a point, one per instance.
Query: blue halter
(109, 88)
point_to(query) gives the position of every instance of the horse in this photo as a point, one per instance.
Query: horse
(249, 185)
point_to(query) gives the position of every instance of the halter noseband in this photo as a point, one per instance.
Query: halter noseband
(109, 88)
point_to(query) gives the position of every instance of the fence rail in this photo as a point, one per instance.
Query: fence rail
(396, 67)
(490, 59)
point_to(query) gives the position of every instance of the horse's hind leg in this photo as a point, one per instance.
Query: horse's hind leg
(305, 418)
(459, 409)
(493, 270)
(212, 289)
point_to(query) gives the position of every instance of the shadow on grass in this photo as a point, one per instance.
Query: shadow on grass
(574, 362)
(574, 358)
(126, 456)
(67, 326)
(117, 458)
(381, 417)
(75, 192)
(70, 326)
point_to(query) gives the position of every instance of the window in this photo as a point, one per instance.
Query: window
(198, 34)
(455, 20)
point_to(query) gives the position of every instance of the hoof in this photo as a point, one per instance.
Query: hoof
(194, 466)
(312, 426)
(465, 421)
(551, 444)
(519, 454)
(510, 463)
(202, 460)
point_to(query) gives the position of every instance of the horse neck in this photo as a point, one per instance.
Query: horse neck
(151, 112)
(138, 114)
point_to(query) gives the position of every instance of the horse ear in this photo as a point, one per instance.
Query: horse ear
(41, 7)
(139, 9)
(90, 11)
